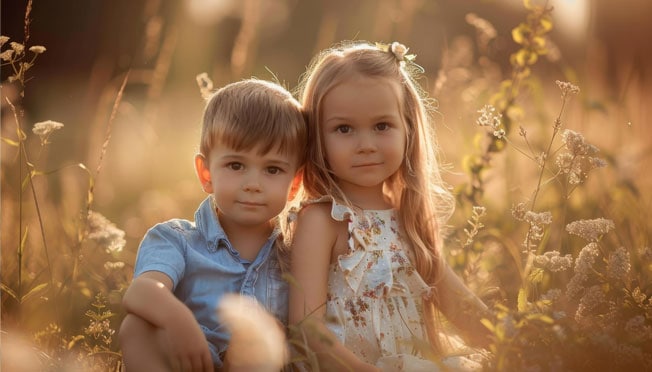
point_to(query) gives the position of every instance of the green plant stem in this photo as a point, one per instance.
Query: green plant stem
(24, 157)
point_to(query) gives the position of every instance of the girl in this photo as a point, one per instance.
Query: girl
(366, 244)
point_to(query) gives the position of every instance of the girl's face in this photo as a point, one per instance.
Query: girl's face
(363, 133)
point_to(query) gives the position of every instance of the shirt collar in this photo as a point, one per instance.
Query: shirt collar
(209, 226)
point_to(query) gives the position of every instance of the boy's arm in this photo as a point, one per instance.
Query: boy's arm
(462, 307)
(150, 297)
(312, 244)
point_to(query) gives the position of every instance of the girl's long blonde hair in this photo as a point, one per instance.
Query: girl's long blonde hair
(417, 190)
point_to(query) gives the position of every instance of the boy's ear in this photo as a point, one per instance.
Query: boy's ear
(203, 173)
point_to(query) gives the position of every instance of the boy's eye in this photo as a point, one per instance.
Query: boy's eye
(343, 128)
(235, 166)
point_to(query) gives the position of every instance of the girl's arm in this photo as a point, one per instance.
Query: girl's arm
(462, 307)
(314, 238)
(150, 297)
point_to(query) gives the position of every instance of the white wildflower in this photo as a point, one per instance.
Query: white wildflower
(17, 47)
(489, 117)
(37, 49)
(590, 230)
(576, 144)
(593, 298)
(618, 265)
(3, 39)
(552, 261)
(567, 88)
(105, 233)
(44, 128)
(113, 265)
(583, 266)
(205, 85)
(7, 55)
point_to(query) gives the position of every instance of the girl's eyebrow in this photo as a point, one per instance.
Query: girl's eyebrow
(375, 118)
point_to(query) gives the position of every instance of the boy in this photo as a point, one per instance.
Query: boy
(253, 143)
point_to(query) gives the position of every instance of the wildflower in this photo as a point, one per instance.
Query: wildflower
(552, 261)
(37, 49)
(576, 144)
(618, 265)
(7, 55)
(593, 298)
(112, 266)
(577, 162)
(44, 128)
(583, 266)
(537, 222)
(3, 39)
(105, 233)
(205, 85)
(255, 336)
(500, 133)
(489, 117)
(567, 88)
(590, 230)
(17, 47)
(518, 211)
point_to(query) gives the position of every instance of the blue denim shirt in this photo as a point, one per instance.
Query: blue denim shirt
(203, 266)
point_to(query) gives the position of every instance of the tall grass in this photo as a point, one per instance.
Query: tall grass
(551, 229)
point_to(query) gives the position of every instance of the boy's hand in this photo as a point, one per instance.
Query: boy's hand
(186, 343)
(150, 297)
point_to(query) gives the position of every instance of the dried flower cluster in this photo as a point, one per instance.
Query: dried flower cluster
(44, 128)
(490, 118)
(105, 233)
(553, 261)
(567, 88)
(590, 230)
(577, 161)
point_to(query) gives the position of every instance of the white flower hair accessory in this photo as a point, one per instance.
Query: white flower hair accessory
(398, 50)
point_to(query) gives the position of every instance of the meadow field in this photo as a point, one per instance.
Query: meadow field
(543, 112)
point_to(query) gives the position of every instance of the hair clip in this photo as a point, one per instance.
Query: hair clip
(398, 50)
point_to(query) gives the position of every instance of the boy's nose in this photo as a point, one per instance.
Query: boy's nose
(252, 183)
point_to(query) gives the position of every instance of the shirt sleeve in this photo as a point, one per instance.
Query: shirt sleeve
(163, 249)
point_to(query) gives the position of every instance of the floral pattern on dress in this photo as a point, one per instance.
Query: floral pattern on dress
(375, 295)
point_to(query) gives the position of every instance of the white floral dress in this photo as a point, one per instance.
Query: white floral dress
(375, 295)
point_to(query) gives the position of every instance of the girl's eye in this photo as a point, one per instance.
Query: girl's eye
(274, 170)
(343, 128)
(382, 126)
(235, 166)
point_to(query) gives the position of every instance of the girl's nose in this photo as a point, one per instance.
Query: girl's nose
(366, 143)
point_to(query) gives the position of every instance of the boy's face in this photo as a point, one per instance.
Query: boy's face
(249, 188)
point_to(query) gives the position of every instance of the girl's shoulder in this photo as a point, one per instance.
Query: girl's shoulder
(324, 207)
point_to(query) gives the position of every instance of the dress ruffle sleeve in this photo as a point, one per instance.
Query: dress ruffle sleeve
(363, 255)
